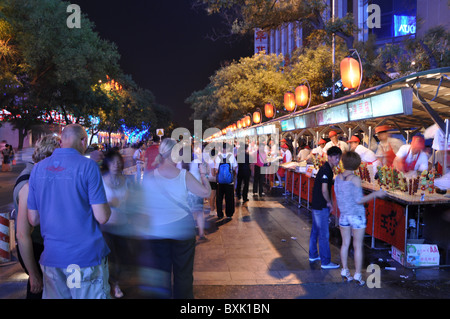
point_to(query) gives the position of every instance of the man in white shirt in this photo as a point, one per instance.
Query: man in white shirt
(388, 146)
(319, 150)
(304, 153)
(367, 156)
(334, 141)
(411, 157)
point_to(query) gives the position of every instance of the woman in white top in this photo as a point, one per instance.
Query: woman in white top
(116, 189)
(171, 227)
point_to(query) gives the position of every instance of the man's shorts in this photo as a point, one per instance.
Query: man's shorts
(76, 283)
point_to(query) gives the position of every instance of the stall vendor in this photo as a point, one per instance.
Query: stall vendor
(287, 157)
(334, 141)
(367, 156)
(388, 146)
(412, 157)
(319, 150)
(303, 154)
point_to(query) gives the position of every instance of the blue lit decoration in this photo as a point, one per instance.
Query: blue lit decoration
(404, 25)
(133, 134)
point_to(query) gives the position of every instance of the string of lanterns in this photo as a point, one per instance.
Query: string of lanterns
(351, 76)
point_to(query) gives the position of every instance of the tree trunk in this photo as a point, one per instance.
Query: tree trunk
(22, 135)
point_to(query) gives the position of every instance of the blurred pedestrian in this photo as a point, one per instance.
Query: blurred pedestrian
(258, 178)
(171, 226)
(244, 174)
(321, 207)
(150, 155)
(210, 161)
(139, 157)
(6, 165)
(67, 198)
(195, 202)
(29, 240)
(352, 220)
(114, 231)
(97, 155)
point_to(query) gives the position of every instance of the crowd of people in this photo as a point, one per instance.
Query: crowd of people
(79, 218)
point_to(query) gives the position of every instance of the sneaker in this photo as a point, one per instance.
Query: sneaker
(255, 194)
(330, 266)
(314, 259)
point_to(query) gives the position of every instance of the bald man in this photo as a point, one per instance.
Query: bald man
(67, 198)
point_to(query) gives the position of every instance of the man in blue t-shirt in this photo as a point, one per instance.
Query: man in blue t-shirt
(67, 198)
(321, 206)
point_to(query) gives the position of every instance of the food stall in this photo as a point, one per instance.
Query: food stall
(404, 217)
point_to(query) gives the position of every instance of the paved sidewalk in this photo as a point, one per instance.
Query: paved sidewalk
(264, 244)
(262, 253)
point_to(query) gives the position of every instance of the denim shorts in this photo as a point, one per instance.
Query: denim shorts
(74, 282)
(353, 221)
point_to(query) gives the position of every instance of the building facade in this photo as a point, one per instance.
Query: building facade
(390, 20)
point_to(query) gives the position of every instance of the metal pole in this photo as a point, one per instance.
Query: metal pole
(333, 44)
(444, 171)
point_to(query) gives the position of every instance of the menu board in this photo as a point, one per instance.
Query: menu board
(360, 110)
(266, 129)
(287, 125)
(332, 115)
(305, 121)
(385, 104)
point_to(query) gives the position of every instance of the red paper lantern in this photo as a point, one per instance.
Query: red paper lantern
(269, 110)
(289, 101)
(248, 120)
(350, 73)
(301, 95)
(256, 117)
(239, 124)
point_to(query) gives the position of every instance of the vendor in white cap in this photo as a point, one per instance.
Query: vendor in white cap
(334, 141)
(388, 146)
(412, 157)
(367, 156)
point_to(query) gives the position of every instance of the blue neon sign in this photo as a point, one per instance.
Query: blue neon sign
(404, 25)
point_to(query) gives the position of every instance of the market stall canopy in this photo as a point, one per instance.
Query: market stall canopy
(412, 102)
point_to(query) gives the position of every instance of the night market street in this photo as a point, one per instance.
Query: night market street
(262, 253)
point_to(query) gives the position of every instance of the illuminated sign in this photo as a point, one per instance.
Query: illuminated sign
(404, 25)
(333, 115)
(305, 121)
(391, 103)
(287, 125)
(267, 129)
(359, 110)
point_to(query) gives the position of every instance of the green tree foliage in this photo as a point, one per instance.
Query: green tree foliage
(45, 66)
(239, 88)
(243, 16)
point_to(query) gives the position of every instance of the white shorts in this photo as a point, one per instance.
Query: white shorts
(353, 221)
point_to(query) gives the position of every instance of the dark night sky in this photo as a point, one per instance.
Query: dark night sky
(163, 46)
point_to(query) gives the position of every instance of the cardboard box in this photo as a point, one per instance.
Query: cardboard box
(418, 255)
(398, 255)
(422, 255)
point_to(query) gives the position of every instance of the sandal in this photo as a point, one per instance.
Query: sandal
(358, 278)
(345, 273)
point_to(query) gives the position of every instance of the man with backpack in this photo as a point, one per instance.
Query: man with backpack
(225, 169)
